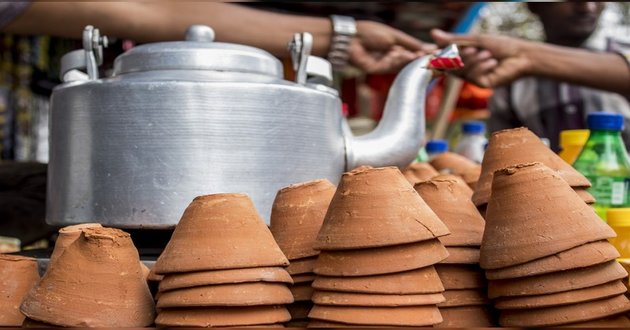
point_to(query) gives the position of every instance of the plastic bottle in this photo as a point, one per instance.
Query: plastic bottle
(619, 220)
(572, 141)
(435, 147)
(472, 143)
(422, 156)
(605, 162)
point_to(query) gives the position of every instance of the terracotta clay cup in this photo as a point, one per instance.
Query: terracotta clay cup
(451, 202)
(240, 294)
(515, 146)
(220, 231)
(17, 276)
(302, 291)
(328, 324)
(462, 255)
(450, 162)
(374, 208)
(466, 317)
(585, 196)
(385, 260)
(620, 321)
(606, 290)
(153, 277)
(302, 266)
(67, 236)
(96, 282)
(418, 281)
(297, 215)
(226, 276)
(382, 316)
(303, 278)
(418, 172)
(458, 298)
(332, 298)
(557, 282)
(567, 314)
(586, 255)
(459, 277)
(222, 316)
(519, 228)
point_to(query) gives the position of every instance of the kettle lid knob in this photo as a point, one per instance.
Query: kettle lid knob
(200, 33)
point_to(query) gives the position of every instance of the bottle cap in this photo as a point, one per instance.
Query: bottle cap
(436, 146)
(605, 121)
(618, 217)
(473, 127)
(574, 137)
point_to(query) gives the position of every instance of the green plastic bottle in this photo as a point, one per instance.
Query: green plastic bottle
(605, 162)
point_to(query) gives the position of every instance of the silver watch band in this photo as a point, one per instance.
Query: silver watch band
(344, 29)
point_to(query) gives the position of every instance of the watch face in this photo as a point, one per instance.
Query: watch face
(344, 25)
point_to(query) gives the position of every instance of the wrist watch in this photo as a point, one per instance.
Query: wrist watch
(344, 29)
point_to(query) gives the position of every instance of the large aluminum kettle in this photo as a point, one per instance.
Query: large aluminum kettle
(181, 119)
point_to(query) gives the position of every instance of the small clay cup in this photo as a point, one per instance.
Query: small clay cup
(96, 282)
(302, 291)
(450, 200)
(462, 256)
(382, 316)
(67, 235)
(519, 228)
(220, 231)
(515, 146)
(466, 317)
(241, 294)
(418, 172)
(620, 321)
(332, 298)
(334, 325)
(302, 266)
(221, 316)
(453, 163)
(418, 281)
(567, 314)
(385, 260)
(459, 298)
(226, 276)
(297, 215)
(375, 208)
(153, 277)
(585, 196)
(459, 277)
(18, 275)
(606, 290)
(586, 255)
(303, 278)
(567, 280)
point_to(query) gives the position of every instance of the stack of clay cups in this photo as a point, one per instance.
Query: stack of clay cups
(452, 163)
(222, 267)
(17, 276)
(296, 217)
(418, 172)
(545, 254)
(466, 304)
(378, 244)
(517, 146)
(96, 281)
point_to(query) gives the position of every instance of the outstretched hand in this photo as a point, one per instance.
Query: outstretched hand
(489, 60)
(379, 48)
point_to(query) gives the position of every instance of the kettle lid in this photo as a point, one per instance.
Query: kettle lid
(198, 52)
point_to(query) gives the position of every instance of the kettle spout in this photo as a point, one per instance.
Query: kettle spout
(400, 132)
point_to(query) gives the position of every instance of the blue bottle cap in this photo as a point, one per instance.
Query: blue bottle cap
(604, 121)
(436, 146)
(473, 127)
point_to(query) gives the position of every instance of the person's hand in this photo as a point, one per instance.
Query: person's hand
(378, 48)
(489, 60)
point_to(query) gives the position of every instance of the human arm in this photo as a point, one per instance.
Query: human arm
(497, 60)
(376, 48)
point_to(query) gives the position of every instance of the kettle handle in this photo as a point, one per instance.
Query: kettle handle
(88, 58)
